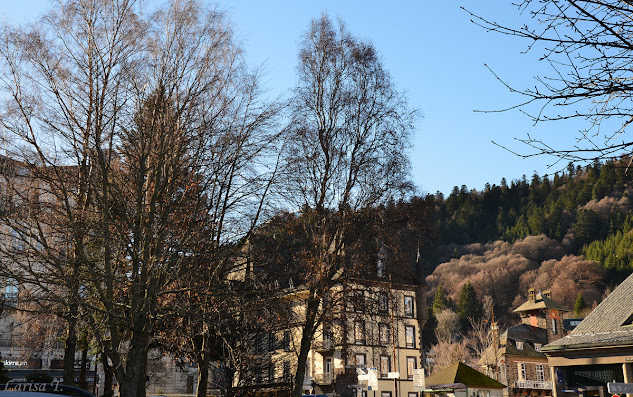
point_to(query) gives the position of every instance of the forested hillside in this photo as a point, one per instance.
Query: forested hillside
(570, 232)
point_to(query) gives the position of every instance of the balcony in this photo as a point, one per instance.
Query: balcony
(324, 346)
(328, 378)
(324, 379)
(533, 384)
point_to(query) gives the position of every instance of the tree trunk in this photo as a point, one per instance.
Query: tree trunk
(230, 374)
(70, 347)
(202, 360)
(82, 372)
(306, 341)
(133, 378)
(108, 376)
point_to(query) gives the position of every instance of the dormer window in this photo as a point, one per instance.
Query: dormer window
(537, 347)
(519, 345)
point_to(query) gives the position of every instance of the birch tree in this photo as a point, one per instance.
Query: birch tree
(345, 151)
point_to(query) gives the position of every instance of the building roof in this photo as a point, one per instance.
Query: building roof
(462, 373)
(525, 333)
(609, 324)
(541, 302)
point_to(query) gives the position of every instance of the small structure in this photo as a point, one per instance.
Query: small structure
(599, 350)
(517, 359)
(461, 380)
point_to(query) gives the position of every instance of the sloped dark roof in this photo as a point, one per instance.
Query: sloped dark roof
(462, 373)
(525, 333)
(609, 324)
(541, 302)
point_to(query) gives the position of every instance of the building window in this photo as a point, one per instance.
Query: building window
(537, 347)
(383, 334)
(287, 340)
(385, 366)
(521, 370)
(359, 301)
(327, 337)
(286, 371)
(540, 373)
(408, 306)
(519, 345)
(383, 303)
(554, 330)
(18, 241)
(359, 333)
(271, 373)
(259, 376)
(327, 366)
(11, 293)
(411, 367)
(409, 336)
(413, 394)
(385, 394)
(271, 341)
(360, 360)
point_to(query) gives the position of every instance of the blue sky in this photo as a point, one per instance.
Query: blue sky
(434, 53)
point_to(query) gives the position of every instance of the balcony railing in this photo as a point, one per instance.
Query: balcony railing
(328, 378)
(533, 384)
(323, 379)
(323, 345)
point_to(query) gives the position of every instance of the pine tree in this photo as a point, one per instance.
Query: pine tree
(440, 301)
(580, 305)
(469, 305)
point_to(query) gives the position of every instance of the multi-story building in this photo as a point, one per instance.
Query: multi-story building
(368, 340)
(30, 335)
(517, 359)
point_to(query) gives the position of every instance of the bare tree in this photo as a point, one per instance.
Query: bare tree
(448, 326)
(126, 123)
(345, 151)
(588, 46)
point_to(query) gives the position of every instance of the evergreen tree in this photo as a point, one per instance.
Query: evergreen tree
(580, 305)
(440, 301)
(469, 305)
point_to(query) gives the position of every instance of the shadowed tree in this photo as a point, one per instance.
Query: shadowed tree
(119, 118)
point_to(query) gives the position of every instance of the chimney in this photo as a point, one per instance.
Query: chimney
(532, 295)
(547, 294)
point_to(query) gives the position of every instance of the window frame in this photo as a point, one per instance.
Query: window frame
(287, 341)
(409, 306)
(383, 302)
(383, 327)
(540, 373)
(409, 344)
(411, 359)
(360, 337)
(364, 359)
(385, 359)
(521, 371)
